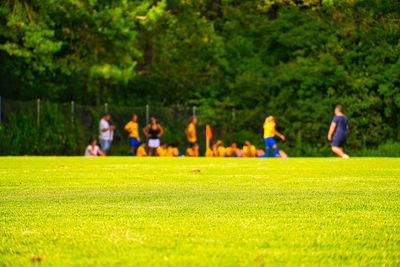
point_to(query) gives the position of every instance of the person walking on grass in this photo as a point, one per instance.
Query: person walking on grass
(269, 134)
(338, 132)
(190, 131)
(153, 132)
(105, 132)
(93, 150)
(133, 128)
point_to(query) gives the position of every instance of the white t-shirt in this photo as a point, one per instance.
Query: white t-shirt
(95, 150)
(104, 125)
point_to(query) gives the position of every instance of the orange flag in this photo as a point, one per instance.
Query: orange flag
(208, 132)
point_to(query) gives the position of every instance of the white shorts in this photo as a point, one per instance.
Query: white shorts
(154, 143)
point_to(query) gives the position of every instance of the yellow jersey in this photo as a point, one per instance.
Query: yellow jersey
(132, 128)
(269, 129)
(161, 152)
(230, 151)
(246, 151)
(253, 151)
(191, 152)
(191, 133)
(209, 153)
(249, 151)
(221, 151)
(172, 152)
(141, 152)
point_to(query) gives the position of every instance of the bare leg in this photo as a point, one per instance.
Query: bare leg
(338, 151)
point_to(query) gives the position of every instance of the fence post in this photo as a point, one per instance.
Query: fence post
(38, 112)
(194, 111)
(233, 114)
(0, 109)
(147, 114)
(72, 111)
(105, 107)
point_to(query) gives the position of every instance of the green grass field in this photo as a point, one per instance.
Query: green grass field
(162, 211)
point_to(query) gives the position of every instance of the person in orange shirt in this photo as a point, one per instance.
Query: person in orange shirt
(190, 131)
(193, 151)
(269, 134)
(133, 128)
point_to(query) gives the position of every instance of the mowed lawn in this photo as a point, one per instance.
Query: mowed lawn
(206, 211)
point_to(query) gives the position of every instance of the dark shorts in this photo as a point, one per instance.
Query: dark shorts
(339, 141)
(190, 144)
(269, 142)
(133, 141)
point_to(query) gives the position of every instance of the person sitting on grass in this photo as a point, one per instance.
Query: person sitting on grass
(281, 154)
(93, 150)
(338, 132)
(249, 150)
(173, 150)
(269, 133)
(210, 152)
(233, 151)
(193, 151)
(141, 150)
(133, 128)
(220, 149)
(162, 150)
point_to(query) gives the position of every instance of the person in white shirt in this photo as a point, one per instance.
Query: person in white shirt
(93, 149)
(105, 132)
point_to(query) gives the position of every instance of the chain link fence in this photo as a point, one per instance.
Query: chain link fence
(47, 128)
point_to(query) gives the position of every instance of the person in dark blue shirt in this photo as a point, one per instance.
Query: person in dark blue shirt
(338, 132)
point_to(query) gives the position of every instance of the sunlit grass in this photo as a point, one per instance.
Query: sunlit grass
(161, 211)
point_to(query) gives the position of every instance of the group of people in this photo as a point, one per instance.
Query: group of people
(155, 147)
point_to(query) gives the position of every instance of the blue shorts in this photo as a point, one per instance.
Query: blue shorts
(133, 142)
(269, 142)
(339, 141)
(105, 144)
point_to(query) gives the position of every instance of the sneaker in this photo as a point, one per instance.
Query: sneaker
(345, 156)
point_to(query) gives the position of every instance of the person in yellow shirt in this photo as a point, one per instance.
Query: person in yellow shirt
(210, 152)
(162, 150)
(193, 151)
(220, 149)
(141, 150)
(214, 148)
(173, 150)
(249, 150)
(190, 131)
(133, 128)
(269, 134)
